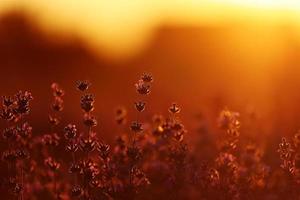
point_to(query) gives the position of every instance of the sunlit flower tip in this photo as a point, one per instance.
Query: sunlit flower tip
(284, 144)
(136, 126)
(174, 109)
(139, 177)
(83, 85)
(51, 140)
(147, 77)
(228, 120)
(76, 191)
(142, 87)
(57, 90)
(90, 120)
(9, 156)
(57, 104)
(233, 132)
(22, 154)
(87, 145)
(179, 136)
(22, 102)
(285, 151)
(214, 176)
(225, 159)
(52, 164)
(297, 136)
(7, 114)
(104, 150)
(23, 97)
(178, 126)
(120, 115)
(140, 106)
(7, 101)
(25, 130)
(17, 189)
(72, 147)
(9, 133)
(53, 120)
(158, 131)
(74, 168)
(120, 112)
(87, 102)
(89, 170)
(95, 183)
(70, 131)
(121, 120)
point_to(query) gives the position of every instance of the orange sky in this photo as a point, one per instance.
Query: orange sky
(124, 27)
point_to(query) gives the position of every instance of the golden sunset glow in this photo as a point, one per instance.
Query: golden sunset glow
(123, 27)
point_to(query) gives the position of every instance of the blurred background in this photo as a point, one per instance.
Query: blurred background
(205, 55)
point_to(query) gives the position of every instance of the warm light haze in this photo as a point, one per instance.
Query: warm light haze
(123, 27)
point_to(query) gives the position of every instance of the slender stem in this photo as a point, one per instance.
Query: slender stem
(73, 157)
(22, 181)
(130, 177)
(89, 128)
(134, 139)
(55, 187)
(74, 161)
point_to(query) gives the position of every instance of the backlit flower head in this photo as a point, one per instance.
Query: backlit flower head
(83, 85)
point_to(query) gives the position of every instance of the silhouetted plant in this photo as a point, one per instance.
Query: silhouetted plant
(150, 159)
